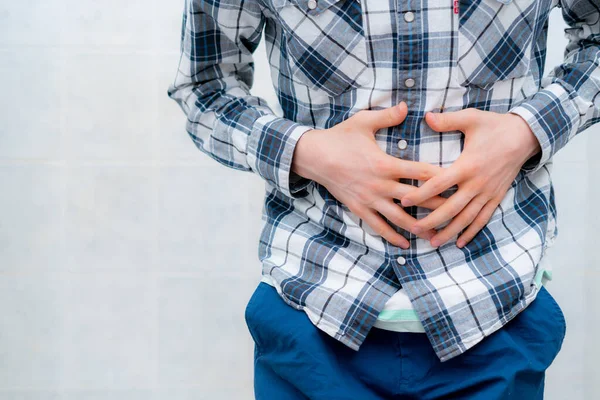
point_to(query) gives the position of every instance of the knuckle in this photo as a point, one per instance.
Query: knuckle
(480, 220)
(424, 174)
(427, 172)
(479, 180)
(382, 165)
(471, 113)
(361, 114)
(470, 218)
(395, 217)
(469, 232)
(482, 200)
(468, 112)
(371, 186)
(392, 237)
(432, 171)
(474, 211)
(364, 197)
(442, 119)
(466, 237)
(390, 116)
(498, 198)
(456, 174)
(476, 168)
(455, 209)
(381, 231)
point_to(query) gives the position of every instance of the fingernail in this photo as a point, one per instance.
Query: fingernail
(406, 202)
(416, 230)
(435, 242)
(460, 243)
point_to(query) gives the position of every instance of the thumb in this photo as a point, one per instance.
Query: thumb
(450, 121)
(387, 117)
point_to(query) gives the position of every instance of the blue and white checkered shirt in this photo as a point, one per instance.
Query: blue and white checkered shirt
(331, 58)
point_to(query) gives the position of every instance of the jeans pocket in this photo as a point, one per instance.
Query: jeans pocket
(542, 321)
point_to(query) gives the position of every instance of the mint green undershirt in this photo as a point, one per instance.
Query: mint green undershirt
(408, 320)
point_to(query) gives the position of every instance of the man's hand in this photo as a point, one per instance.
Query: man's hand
(348, 162)
(496, 147)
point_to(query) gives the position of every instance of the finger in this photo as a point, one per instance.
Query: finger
(399, 217)
(383, 229)
(397, 190)
(462, 220)
(478, 223)
(387, 117)
(451, 121)
(418, 170)
(433, 186)
(453, 205)
(433, 202)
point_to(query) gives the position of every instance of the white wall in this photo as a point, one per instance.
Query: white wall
(117, 277)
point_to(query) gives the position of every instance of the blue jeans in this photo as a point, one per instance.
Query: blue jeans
(295, 360)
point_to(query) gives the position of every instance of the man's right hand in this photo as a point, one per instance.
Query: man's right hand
(348, 162)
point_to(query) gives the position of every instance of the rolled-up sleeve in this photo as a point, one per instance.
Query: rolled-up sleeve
(567, 102)
(212, 87)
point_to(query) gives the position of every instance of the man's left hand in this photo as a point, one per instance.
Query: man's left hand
(496, 147)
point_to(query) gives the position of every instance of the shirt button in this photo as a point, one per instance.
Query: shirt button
(409, 16)
(402, 144)
(401, 260)
(410, 82)
(312, 4)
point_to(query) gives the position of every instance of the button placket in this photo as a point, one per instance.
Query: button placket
(411, 51)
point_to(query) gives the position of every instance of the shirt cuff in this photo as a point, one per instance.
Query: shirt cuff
(270, 149)
(553, 119)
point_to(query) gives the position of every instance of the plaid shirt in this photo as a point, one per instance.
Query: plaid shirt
(331, 58)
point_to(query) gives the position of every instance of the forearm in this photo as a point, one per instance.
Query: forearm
(212, 87)
(566, 103)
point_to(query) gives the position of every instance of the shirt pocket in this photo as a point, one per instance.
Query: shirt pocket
(325, 43)
(495, 39)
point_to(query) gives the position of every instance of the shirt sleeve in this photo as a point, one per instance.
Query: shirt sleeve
(212, 87)
(567, 102)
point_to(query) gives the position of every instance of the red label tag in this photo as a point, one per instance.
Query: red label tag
(455, 4)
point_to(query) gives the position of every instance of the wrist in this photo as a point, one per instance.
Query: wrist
(527, 144)
(305, 155)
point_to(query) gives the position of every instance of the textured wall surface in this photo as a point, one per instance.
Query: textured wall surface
(113, 282)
